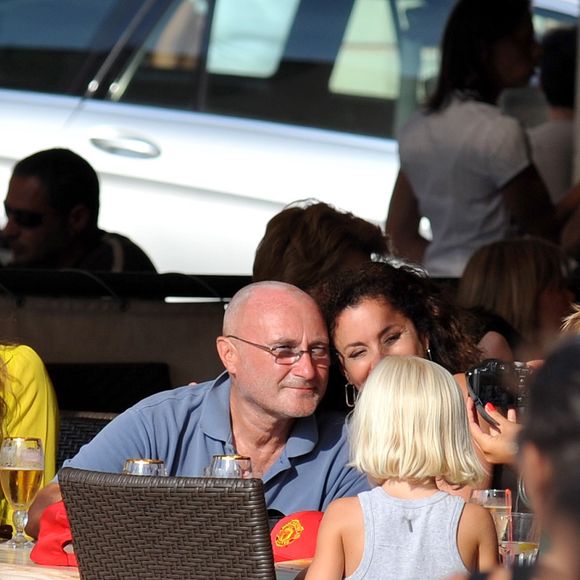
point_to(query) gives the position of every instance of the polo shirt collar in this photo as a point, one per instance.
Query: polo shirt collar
(215, 414)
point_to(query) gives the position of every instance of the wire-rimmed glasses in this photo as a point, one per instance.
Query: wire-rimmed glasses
(289, 355)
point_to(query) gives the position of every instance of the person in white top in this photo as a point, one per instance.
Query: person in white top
(553, 141)
(464, 165)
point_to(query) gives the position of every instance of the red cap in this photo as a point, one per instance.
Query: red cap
(53, 536)
(294, 536)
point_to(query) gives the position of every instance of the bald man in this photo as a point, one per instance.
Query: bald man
(276, 354)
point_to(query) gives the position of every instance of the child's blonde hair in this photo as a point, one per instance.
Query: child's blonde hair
(571, 324)
(410, 423)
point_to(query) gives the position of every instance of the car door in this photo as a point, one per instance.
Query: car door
(220, 115)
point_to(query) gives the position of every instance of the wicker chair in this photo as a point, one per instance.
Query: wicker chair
(76, 429)
(127, 526)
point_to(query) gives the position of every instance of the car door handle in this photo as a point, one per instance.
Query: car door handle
(127, 146)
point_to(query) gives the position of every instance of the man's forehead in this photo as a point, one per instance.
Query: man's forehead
(27, 192)
(273, 305)
(282, 321)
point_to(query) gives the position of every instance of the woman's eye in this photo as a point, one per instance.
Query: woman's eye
(391, 338)
(356, 353)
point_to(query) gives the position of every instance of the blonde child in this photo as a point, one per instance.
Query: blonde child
(408, 430)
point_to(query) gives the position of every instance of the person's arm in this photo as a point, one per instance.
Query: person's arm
(32, 409)
(487, 546)
(46, 496)
(477, 538)
(569, 203)
(328, 563)
(528, 201)
(499, 445)
(403, 222)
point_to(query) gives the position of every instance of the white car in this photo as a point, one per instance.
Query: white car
(204, 118)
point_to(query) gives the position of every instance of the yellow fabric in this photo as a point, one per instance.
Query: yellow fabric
(31, 406)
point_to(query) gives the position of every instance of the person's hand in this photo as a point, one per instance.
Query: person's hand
(500, 444)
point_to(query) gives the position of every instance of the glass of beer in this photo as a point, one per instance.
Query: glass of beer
(499, 504)
(144, 467)
(21, 470)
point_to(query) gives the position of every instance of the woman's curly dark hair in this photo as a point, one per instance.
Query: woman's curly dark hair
(420, 299)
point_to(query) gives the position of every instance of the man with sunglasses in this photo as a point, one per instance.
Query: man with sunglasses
(52, 208)
(275, 350)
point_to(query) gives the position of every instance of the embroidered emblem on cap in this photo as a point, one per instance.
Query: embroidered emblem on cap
(289, 532)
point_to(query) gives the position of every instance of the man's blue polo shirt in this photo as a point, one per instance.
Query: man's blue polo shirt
(185, 427)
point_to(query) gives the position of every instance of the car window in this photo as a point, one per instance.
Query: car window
(47, 45)
(305, 63)
(164, 70)
(365, 73)
(250, 42)
(359, 66)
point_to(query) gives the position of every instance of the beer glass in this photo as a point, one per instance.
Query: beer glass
(144, 467)
(499, 504)
(21, 470)
(238, 466)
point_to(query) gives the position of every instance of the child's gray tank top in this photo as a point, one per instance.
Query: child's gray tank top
(409, 539)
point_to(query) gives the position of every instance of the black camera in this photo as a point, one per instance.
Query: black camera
(503, 384)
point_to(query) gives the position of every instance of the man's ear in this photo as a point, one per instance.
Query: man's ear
(227, 353)
(79, 219)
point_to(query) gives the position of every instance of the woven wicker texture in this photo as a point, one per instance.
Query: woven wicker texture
(76, 429)
(127, 526)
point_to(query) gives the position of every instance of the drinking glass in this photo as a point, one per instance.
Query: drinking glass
(498, 502)
(144, 467)
(520, 540)
(21, 470)
(238, 466)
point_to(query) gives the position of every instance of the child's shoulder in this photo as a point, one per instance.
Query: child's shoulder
(343, 503)
(476, 513)
(343, 509)
(344, 516)
(476, 522)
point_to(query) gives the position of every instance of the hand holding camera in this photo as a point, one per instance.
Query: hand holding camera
(501, 383)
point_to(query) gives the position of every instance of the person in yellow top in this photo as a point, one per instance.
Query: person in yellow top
(28, 407)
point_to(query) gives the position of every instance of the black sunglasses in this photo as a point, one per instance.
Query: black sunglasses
(25, 219)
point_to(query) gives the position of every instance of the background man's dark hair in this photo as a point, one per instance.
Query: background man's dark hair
(68, 178)
(558, 66)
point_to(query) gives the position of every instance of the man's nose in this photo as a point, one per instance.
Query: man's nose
(11, 229)
(305, 366)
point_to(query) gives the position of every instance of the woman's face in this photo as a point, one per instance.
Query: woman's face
(514, 58)
(369, 331)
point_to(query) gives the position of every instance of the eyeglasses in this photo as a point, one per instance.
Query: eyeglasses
(24, 218)
(288, 355)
